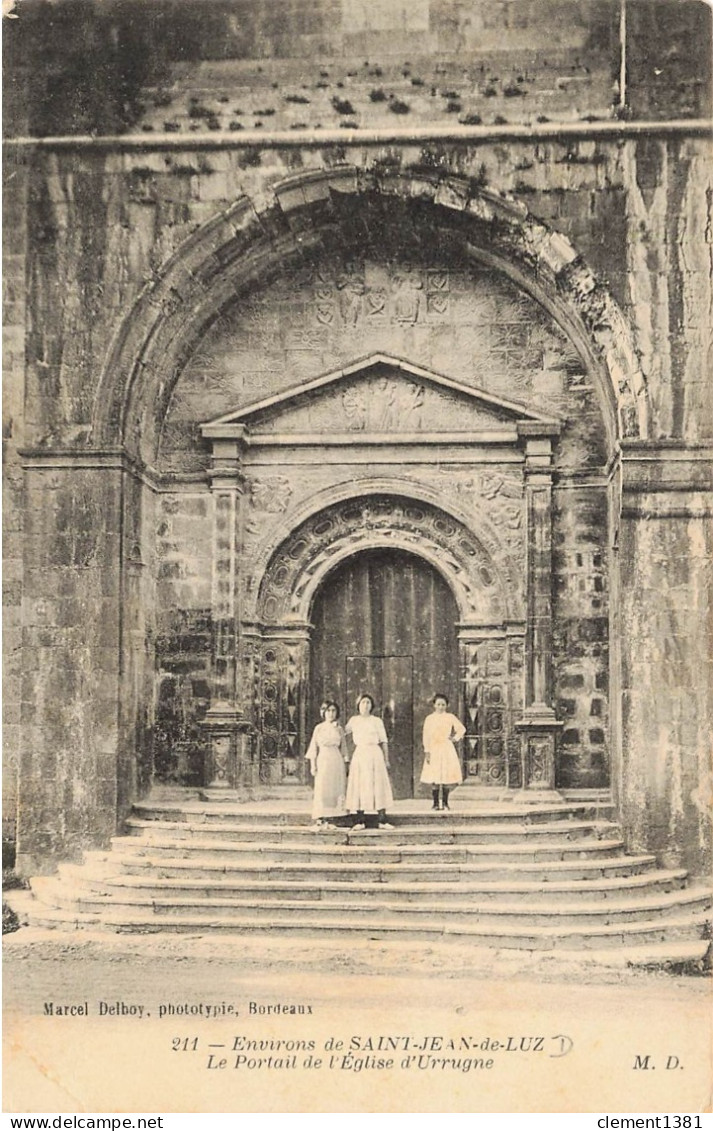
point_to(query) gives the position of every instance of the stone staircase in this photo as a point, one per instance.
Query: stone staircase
(553, 875)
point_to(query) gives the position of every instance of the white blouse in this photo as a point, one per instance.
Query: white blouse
(367, 730)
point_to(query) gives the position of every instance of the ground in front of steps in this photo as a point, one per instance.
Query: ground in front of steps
(474, 1030)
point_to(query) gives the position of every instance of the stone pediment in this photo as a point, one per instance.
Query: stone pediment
(376, 396)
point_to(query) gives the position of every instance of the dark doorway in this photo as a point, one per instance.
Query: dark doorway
(385, 622)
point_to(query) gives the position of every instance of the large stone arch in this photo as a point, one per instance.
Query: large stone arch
(249, 244)
(250, 241)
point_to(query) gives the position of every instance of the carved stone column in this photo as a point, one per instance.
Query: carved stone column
(283, 703)
(538, 726)
(230, 734)
(485, 711)
(491, 702)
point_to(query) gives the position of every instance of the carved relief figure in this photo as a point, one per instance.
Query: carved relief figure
(383, 405)
(411, 403)
(407, 299)
(271, 495)
(355, 408)
(350, 289)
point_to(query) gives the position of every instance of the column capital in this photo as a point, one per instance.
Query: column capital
(538, 459)
(226, 463)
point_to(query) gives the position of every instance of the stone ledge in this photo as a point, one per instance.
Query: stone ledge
(660, 466)
(321, 139)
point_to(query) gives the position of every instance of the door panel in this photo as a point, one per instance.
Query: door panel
(363, 674)
(397, 708)
(394, 616)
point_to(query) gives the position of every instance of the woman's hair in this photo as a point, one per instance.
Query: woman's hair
(366, 695)
(439, 695)
(327, 704)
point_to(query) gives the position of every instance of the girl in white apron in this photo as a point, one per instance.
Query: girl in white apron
(441, 767)
(327, 755)
(368, 788)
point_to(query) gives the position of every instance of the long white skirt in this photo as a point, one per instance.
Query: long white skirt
(368, 788)
(443, 765)
(329, 784)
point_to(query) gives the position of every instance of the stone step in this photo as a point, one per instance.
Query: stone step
(690, 951)
(309, 910)
(374, 850)
(276, 888)
(588, 794)
(411, 813)
(568, 940)
(677, 957)
(539, 877)
(321, 867)
(449, 831)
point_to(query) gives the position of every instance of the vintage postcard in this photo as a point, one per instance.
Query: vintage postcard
(358, 438)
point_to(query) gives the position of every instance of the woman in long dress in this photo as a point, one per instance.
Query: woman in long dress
(327, 755)
(368, 788)
(441, 767)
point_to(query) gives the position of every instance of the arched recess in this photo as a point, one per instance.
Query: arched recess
(250, 241)
(276, 648)
(249, 244)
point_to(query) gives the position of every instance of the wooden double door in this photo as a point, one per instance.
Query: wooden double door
(385, 623)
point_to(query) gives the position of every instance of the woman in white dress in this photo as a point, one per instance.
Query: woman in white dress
(441, 768)
(327, 755)
(368, 788)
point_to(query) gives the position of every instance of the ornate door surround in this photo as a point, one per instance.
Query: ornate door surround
(434, 498)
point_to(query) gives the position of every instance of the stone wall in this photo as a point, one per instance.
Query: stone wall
(666, 562)
(14, 235)
(251, 64)
(71, 657)
(184, 553)
(581, 634)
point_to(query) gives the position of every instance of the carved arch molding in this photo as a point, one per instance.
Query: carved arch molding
(247, 241)
(302, 562)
